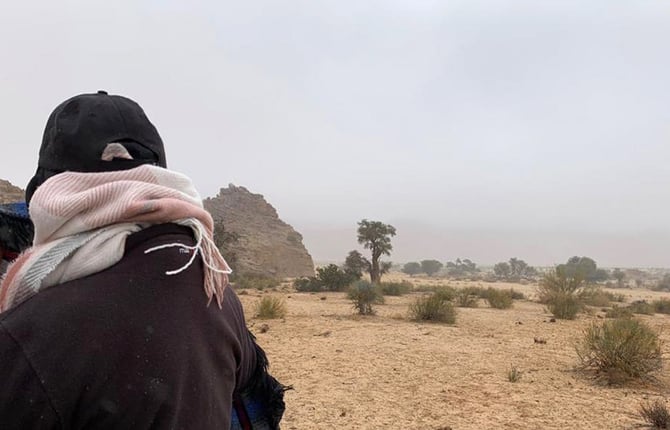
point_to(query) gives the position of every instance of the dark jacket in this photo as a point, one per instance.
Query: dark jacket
(128, 348)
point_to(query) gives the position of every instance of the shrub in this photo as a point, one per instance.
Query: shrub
(662, 306)
(615, 297)
(663, 284)
(618, 312)
(499, 299)
(328, 278)
(396, 288)
(270, 307)
(333, 278)
(308, 285)
(562, 292)
(479, 292)
(595, 297)
(256, 281)
(514, 374)
(446, 292)
(465, 299)
(622, 349)
(516, 295)
(363, 295)
(423, 288)
(656, 414)
(642, 307)
(433, 308)
(564, 306)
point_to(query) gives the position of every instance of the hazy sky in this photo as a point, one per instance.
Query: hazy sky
(480, 129)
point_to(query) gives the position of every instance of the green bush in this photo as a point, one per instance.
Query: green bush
(446, 292)
(363, 295)
(662, 306)
(333, 278)
(466, 299)
(396, 288)
(656, 414)
(433, 308)
(308, 285)
(255, 281)
(564, 306)
(562, 292)
(499, 299)
(270, 307)
(619, 312)
(642, 307)
(621, 349)
(328, 278)
(595, 296)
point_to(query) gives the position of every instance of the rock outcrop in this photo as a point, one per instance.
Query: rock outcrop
(10, 193)
(266, 244)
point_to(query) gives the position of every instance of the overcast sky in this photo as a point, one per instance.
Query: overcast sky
(480, 129)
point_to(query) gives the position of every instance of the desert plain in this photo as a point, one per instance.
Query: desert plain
(388, 372)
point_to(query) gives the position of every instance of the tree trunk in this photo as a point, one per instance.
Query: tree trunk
(374, 271)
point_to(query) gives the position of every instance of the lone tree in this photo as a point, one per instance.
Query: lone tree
(376, 236)
(431, 267)
(412, 268)
(585, 268)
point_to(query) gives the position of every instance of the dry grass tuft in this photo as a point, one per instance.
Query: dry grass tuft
(271, 307)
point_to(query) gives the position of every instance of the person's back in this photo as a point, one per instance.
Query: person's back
(120, 316)
(128, 347)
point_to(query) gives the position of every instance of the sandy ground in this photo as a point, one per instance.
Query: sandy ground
(386, 372)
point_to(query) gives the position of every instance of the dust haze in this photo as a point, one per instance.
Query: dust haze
(478, 129)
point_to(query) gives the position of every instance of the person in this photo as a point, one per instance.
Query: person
(120, 315)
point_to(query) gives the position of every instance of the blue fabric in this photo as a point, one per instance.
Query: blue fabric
(16, 229)
(18, 210)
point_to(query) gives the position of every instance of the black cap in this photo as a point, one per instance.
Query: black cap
(79, 130)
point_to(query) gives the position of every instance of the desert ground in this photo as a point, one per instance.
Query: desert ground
(387, 372)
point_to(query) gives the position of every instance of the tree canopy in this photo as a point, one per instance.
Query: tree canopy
(584, 268)
(376, 236)
(461, 267)
(431, 267)
(412, 268)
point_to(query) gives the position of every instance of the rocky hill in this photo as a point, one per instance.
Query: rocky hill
(10, 193)
(266, 244)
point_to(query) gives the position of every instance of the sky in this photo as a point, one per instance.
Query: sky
(480, 129)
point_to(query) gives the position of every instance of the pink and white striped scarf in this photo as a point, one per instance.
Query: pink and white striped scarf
(82, 221)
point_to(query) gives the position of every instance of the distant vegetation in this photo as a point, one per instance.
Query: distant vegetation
(430, 267)
(514, 270)
(461, 268)
(327, 278)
